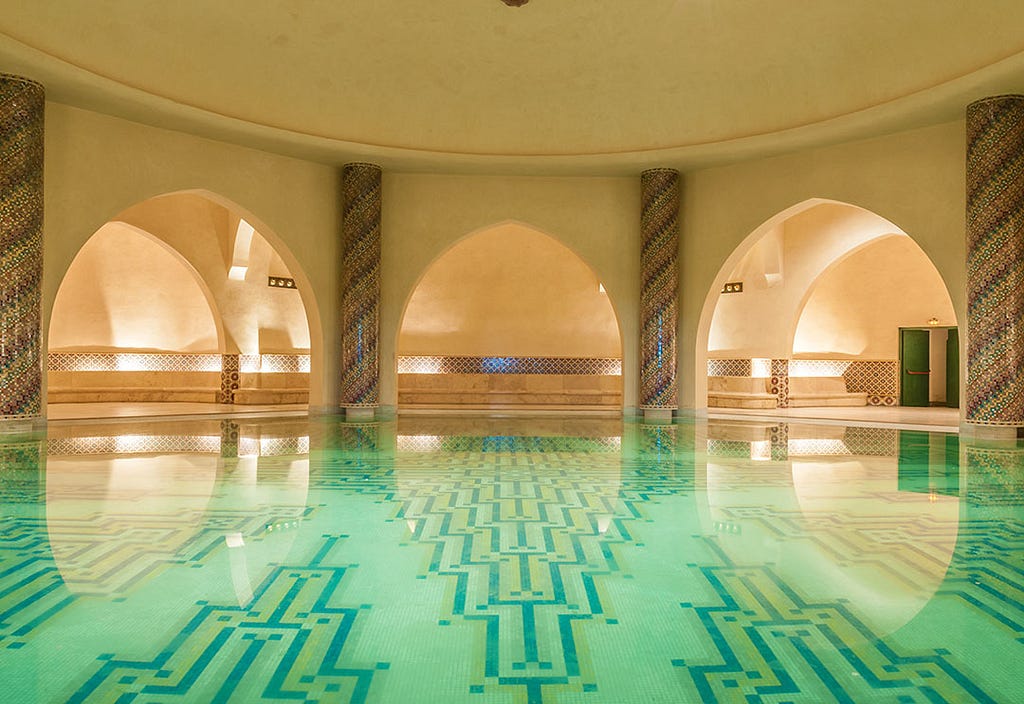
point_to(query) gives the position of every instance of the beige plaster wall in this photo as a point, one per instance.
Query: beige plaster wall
(913, 179)
(98, 166)
(509, 291)
(597, 218)
(126, 291)
(857, 307)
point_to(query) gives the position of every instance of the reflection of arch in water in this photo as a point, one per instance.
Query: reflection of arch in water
(221, 250)
(836, 528)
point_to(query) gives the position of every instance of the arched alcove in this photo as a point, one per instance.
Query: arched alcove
(141, 289)
(819, 292)
(509, 316)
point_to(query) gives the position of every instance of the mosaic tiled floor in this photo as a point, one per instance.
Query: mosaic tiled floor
(509, 561)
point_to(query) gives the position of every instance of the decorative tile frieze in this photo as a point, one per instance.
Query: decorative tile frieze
(729, 367)
(879, 379)
(606, 366)
(132, 362)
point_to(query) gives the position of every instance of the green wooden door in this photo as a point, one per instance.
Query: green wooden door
(953, 369)
(914, 370)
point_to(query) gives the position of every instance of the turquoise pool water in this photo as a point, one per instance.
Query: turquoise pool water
(526, 560)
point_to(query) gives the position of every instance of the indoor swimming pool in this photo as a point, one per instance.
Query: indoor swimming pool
(522, 560)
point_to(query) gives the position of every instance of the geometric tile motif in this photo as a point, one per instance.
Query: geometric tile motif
(287, 643)
(780, 381)
(765, 633)
(360, 285)
(509, 365)
(659, 287)
(112, 362)
(730, 367)
(995, 260)
(526, 538)
(229, 378)
(21, 246)
(880, 379)
(133, 445)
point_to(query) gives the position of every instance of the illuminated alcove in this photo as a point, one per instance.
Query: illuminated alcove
(509, 316)
(820, 286)
(156, 297)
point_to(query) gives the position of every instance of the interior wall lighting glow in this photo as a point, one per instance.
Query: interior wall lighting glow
(818, 367)
(760, 368)
(761, 450)
(418, 443)
(816, 447)
(419, 365)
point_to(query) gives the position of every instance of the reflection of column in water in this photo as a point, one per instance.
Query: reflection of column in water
(228, 439)
(779, 436)
(32, 598)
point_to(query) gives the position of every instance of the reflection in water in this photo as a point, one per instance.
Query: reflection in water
(509, 560)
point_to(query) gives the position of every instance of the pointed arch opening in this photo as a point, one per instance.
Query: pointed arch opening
(509, 317)
(811, 309)
(182, 297)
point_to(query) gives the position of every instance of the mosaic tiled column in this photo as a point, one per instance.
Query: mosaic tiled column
(780, 382)
(229, 377)
(21, 247)
(659, 293)
(995, 261)
(360, 305)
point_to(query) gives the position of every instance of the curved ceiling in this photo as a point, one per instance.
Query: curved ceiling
(584, 84)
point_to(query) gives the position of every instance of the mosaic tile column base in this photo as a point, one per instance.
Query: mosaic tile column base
(659, 292)
(995, 261)
(21, 247)
(229, 378)
(360, 304)
(780, 382)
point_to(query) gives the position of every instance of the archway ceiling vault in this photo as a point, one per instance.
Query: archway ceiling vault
(556, 86)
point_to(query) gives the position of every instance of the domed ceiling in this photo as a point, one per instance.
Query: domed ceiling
(554, 85)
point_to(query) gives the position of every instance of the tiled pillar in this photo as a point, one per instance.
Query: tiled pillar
(360, 305)
(229, 377)
(995, 261)
(659, 292)
(780, 382)
(21, 247)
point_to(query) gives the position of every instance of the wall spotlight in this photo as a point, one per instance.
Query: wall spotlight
(280, 282)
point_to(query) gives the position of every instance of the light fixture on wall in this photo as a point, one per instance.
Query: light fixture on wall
(733, 287)
(280, 282)
(515, 3)
(933, 321)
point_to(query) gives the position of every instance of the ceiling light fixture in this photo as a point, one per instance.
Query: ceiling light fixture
(515, 3)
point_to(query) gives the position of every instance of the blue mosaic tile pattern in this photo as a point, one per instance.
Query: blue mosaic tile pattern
(500, 567)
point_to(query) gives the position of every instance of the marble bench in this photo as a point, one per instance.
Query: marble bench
(807, 391)
(740, 392)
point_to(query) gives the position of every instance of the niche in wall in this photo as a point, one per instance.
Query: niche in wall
(509, 316)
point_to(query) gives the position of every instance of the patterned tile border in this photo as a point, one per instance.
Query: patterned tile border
(878, 378)
(729, 367)
(173, 362)
(510, 365)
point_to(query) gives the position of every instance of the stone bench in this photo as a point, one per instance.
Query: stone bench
(740, 392)
(492, 390)
(805, 391)
(257, 388)
(105, 394)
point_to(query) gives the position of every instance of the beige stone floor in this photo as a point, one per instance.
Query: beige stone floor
(941, 419)
(934, 418)
(93, 411)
